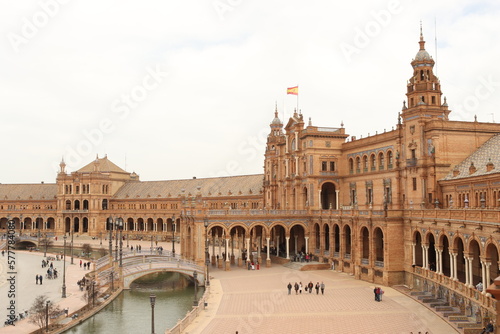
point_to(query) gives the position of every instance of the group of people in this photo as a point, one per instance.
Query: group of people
(51, 271)
(309, 287)
(378, 293)
(86, 265)
(301, 257)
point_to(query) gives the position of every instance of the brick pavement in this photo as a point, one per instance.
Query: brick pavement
(258, 302)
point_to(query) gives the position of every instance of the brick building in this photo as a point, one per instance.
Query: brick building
(417, 205)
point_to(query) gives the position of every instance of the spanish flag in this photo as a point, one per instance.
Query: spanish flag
(293, 90)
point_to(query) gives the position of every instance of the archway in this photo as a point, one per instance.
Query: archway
(445, 255)
(297, 241)
(328, 196)
(474, 252)
(417, 249)
(76, 225)
(379, 244)
(278, 241)
(85, 227)
(365, 246)
(492, 258)
(67, 223)
(431, 252)
(347, 241)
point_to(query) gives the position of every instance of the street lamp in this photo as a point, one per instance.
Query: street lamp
(64, 269)
(207, 261)
(46, 242)
(100, 237)
(110, 227)
(47, 316)
(120, 226)
(72, 233)
(152, 299)
(173, 235)
(195, 276)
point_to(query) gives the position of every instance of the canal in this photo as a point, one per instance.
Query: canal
(130, 312)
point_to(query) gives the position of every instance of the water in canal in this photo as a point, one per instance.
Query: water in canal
(130, 312)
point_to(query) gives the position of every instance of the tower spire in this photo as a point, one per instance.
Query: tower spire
(421, 42)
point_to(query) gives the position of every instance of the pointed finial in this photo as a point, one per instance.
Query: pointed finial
(276, 106)
(404, 105)
(421, 42)
(475, 118)
(310, 122)
(342, 124)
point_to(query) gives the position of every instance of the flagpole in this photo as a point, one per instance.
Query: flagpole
(297, 99)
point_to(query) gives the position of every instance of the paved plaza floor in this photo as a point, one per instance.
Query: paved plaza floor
(251, 301)
(257, 301)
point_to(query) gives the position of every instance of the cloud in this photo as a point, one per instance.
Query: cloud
(225, 75)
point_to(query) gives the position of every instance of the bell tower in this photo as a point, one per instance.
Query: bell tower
(424, 89)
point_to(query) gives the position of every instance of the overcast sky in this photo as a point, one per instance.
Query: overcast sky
(176, 89)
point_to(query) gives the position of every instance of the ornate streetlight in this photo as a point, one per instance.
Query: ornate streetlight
(47, 316)
(110, 227)
(72, 233)
(195, 276)
(152, 299)
(46, 242)
(173, 235)
(64, 269)
(119, 222)
(207, 260)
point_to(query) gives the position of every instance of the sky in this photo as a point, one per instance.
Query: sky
(182, 89)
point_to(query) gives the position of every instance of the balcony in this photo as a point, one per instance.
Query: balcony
(411, 162)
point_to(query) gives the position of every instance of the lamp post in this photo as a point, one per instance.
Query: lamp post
(151, 244)
(46, 242)
(152, 299)
(195, 276)
(120, 228)
(173, 236)
(110, 227)
(64, 269)
(207, 260)
(47, 316)
(72, 233)
(100, 237)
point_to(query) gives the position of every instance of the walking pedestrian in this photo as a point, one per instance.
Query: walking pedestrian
(36, 278)
(296, 286)
(322, 286)
(310, 286)
(376, 291)
(317, 288)
(289, 286)
(80, 263)
(88, 265)
(40, 279)
(300, 287)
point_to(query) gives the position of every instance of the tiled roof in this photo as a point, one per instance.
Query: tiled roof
(105, 166)
(209, 187)
(39, 191)
(489, 152)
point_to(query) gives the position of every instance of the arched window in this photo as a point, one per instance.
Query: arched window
(381, 161)
(373, 164)
(358, 164)
(389, 160)
(365, 163)
(351, 166)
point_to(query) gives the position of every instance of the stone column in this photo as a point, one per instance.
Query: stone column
(337, 199)
(425, 264)
(455, 269)
(438, 260)
(452, 265)
(287, 247)
(228, 263)
(471, 279)
(248, 249)
(307, 244)
(467, 282)
(488, 278)
(213, 250)
(413, 255)
(268, 259)
(232, 249)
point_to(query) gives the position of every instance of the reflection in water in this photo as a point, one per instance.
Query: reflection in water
(130, 312)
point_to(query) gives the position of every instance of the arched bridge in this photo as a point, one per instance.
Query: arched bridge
(136, 265)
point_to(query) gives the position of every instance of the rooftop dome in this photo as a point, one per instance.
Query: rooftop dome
(423, 55)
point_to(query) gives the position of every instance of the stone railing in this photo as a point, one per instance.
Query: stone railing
(182, 324)
(470, 293)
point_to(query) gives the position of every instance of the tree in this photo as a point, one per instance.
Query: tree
(46, 243)
(87, 250)
(38, 311)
